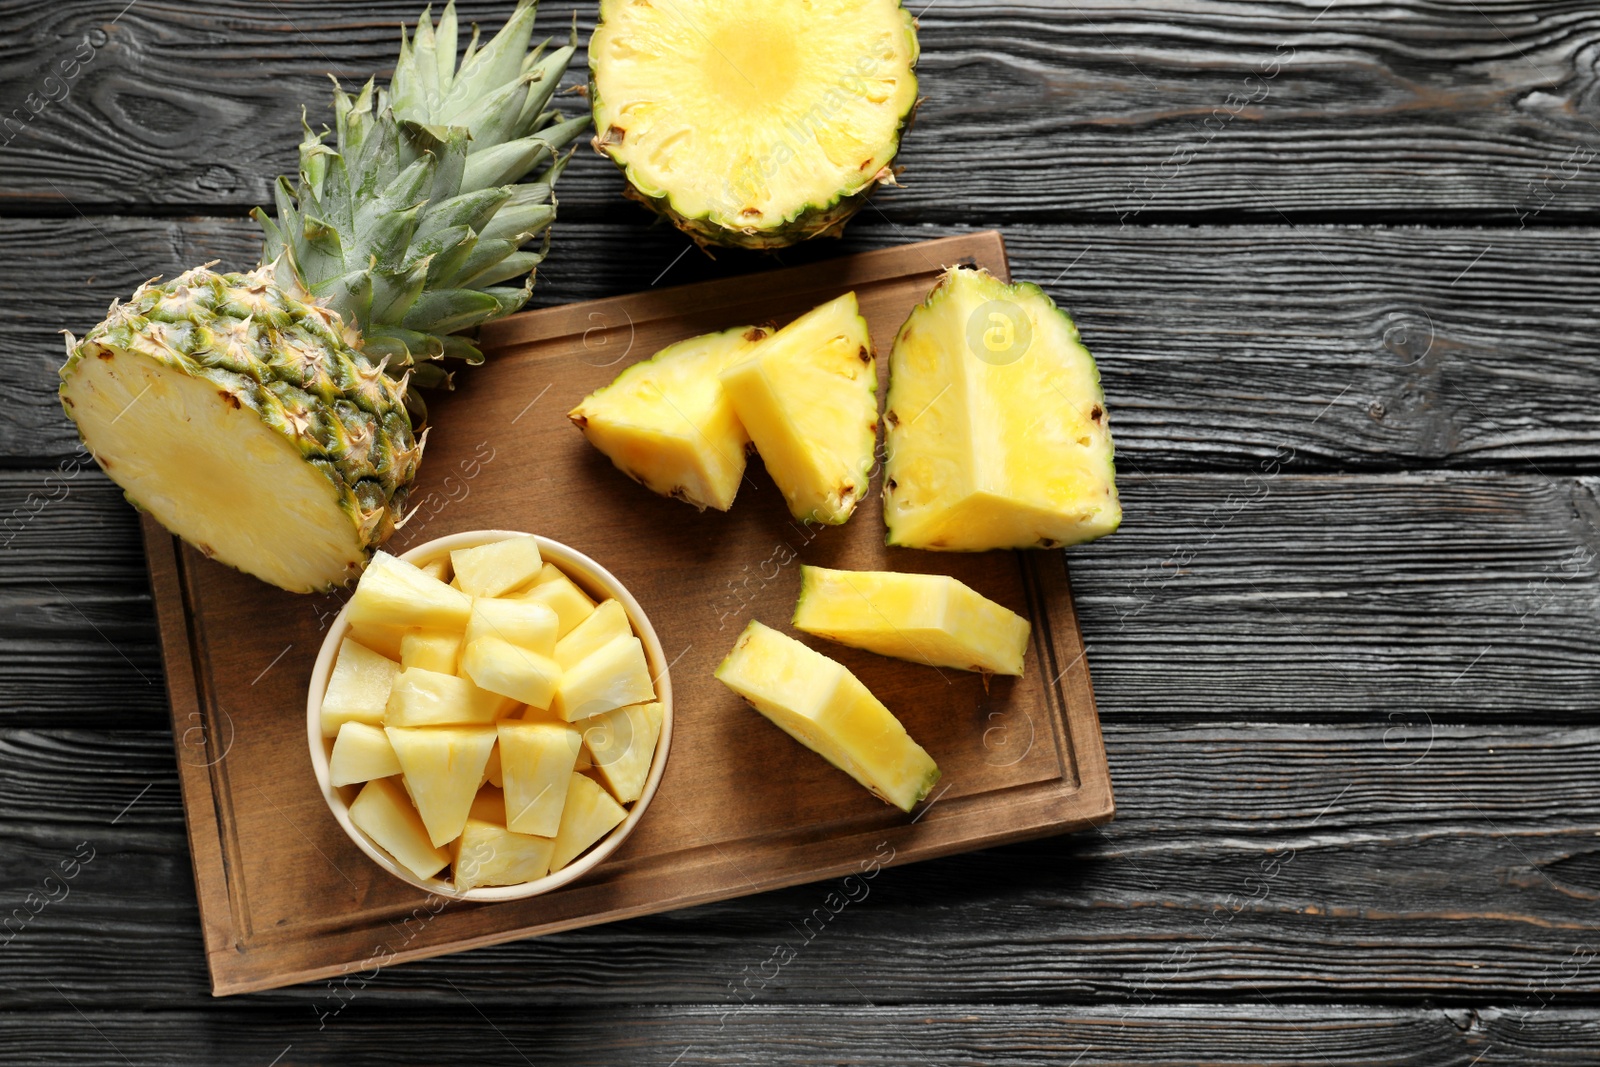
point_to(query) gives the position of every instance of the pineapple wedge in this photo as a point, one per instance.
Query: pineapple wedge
(498, 666)
(361, 753)
(605, 623)
(443, 767)
(561, 595)
(428, 698)
(496, 568)
(437, 568)
(925, 618)
(524, 623)
(588, 814)
(394, 593)
(486, 854)
(621, 745)
(666, 423)
(432, 650)
(491, 772)
(490, 803)
(808, 398)
(358, 689)
(997, 431)
(384, 813)
(536, 759)
(614, 675)
(822, 705)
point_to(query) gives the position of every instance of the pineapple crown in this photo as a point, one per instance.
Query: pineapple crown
(411, 225)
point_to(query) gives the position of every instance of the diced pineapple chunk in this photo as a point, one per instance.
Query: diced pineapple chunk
(558, 592)
(501, 667)
(612, 676)
(525, 623)
(393, 593)
(925, 618)
(428, 698)
(361, 753)
(491, 770)
(383, 812)
(443, 767)
(490, 803)
(621, 745)
(496, 568)
(358, 687)
(432, 650)
(808, 395)
(608, 621)
(822, 705)
(666, 423)
(486, 854)
(437, 568)
(588, 814)
(536, 759)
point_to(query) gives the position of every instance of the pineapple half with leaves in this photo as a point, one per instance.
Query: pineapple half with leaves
(267, 417)
(753, 123)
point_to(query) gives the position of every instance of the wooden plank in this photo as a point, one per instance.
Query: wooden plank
(1248, 861)
(1219, 347)
(1454, 595)
(1036, 111)
(1259, 1035)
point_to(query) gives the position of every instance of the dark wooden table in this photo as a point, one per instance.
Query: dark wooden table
(1341, 270)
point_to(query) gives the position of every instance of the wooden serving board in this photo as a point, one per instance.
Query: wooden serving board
(285, 896)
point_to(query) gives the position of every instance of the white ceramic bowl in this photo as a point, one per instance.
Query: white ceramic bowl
(598, 583)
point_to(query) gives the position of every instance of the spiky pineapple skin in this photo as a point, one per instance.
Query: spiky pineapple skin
(292, 363)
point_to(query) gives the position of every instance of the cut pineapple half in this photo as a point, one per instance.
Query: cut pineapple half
(808, 396)
(754, 123)
(997, 431)
(666, 423)
(925, 618)
(819, 703)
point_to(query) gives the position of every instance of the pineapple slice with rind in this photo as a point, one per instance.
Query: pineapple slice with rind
(997, 431)
(432, 650)
(561, 594)
(605, 623)
(621, 745)
(384, 813)
(486, 854)
(427, 698)
(498, 666)
(755, 123)
(614, 675)
(588, 814)
(666, 423)
(361, 753)
(358, 688)
(443, 766)
(496, 568)
(808, 397)
(536, 759)
(822, 705)
(526, 623)
(925, 618)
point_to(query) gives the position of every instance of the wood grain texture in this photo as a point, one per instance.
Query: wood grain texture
(1347, 349)
(1036, 111)
(1383, 862)
(1288, 1035)
(1455, 596)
